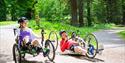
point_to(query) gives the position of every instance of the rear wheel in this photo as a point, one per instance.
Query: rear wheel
(92, 45)
(51, 52)
(16, 54)
(54, 39)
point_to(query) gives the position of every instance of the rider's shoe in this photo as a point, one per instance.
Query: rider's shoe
(91, 49)
(46, 52)
(38, 50)
(34, 52)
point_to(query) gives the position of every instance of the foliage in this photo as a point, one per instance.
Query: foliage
(122, 34)
(88, 11)
(57, 26)
(2, 10)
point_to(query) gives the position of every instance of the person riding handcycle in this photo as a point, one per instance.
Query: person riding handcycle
(87, 46)
(27, 39)
(69, 44)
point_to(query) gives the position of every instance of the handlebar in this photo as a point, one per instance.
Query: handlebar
(42, 34)
(14, 31)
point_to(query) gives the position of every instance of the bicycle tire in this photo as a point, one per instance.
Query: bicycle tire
(14, 54)
(94, 44)
(55, 40)
(52, 50)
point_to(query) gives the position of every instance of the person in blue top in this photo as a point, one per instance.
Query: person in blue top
(25, 35)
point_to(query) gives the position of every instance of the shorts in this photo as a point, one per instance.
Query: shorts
(72, 48)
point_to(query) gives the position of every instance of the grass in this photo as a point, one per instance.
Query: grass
(6, 23)
(122, 34)
(57, 26)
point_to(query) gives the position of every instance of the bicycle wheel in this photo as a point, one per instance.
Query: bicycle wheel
(54, 39)
(51, 52)
(16, 54)
(92, 45)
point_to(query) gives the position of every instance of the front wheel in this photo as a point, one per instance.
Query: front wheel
(51, 52)
(16, 54)
(54, 39)
(91, 45)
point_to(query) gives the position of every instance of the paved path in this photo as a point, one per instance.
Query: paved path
(114, 49)
(114, 46)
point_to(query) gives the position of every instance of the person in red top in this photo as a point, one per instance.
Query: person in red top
(72, 45)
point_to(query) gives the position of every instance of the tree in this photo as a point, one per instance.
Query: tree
(36, 13)
(89, 12)
(99, 11)
(29, 13)
(2, 10)
(81, 14)
(123, 12)
(73, 4)
(112, 11)
(13, 10)
(25, 8)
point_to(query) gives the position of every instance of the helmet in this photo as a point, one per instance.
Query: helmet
(60, 33)
(22, 19)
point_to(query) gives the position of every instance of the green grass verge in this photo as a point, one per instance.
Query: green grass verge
(58, 26)
(122, 34)
(6, 23)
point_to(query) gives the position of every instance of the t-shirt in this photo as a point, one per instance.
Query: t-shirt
(66, 45)
(25, 32)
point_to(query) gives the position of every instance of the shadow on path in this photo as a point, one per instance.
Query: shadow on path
(4, 58)
(27, 61)
(84, 57)
(32, 61)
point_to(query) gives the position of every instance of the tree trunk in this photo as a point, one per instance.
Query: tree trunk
(36, 14)
(2, 10)
(29, 13)
(81, 20)
(89, 13)
(74, 21)
(123, 10)
(108, 15)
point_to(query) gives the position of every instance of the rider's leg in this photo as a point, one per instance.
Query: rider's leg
(35, 43)
(80, 50)
(25, 40)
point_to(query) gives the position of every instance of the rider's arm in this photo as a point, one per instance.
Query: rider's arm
(63, 46)
(35, 35)
(73, 41)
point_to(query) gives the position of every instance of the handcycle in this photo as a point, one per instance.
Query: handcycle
(90, 43)
(20, 50)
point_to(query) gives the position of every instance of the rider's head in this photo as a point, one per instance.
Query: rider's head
(23, 22)
(63, 34)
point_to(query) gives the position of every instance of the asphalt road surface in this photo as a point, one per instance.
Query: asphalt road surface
(114, 49)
